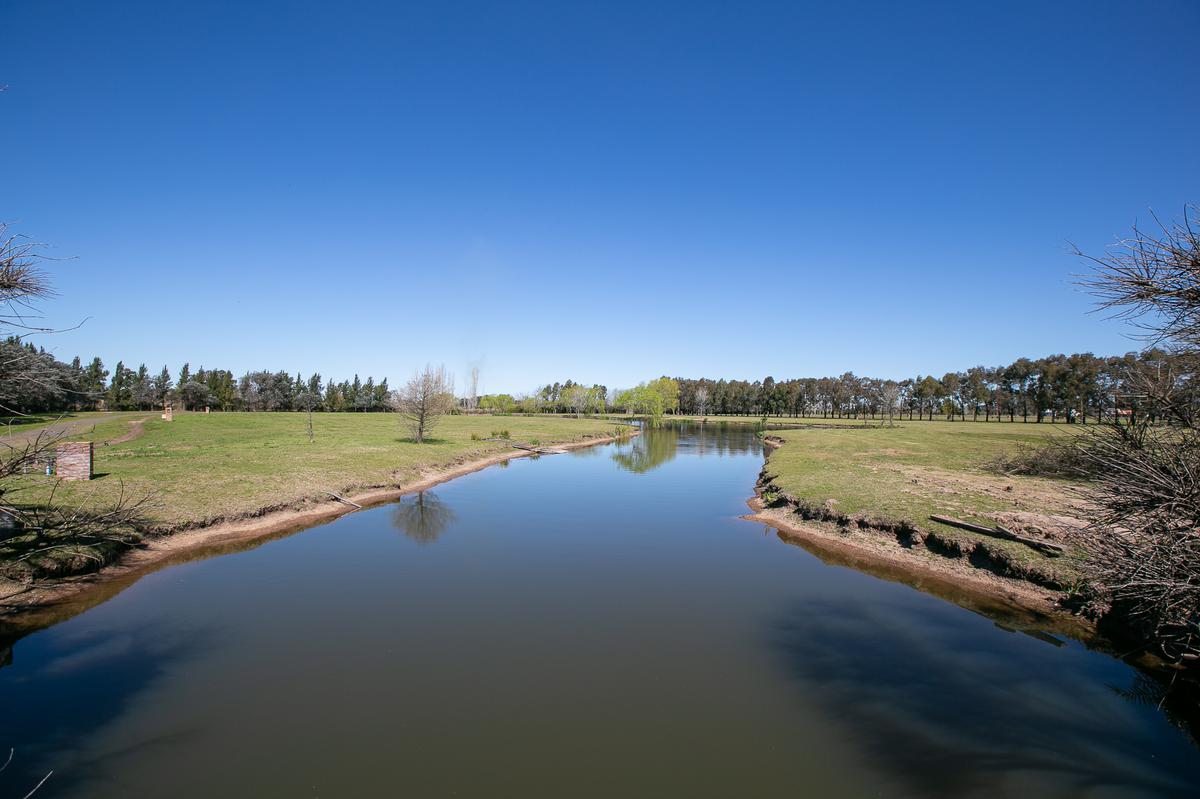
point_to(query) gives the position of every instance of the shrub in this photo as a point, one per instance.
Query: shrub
(1056, 459)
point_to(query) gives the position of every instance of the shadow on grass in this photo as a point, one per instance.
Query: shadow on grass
(34, 420)
(426, 442)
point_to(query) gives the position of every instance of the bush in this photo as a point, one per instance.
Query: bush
(1056, 459)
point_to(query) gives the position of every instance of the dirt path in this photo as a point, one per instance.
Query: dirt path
(136, 428)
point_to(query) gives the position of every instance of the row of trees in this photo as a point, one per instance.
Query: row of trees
(567, 397)
(1073, 388)
(33, 381)
(654, 398)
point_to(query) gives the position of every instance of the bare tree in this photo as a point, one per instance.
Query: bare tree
(47, 537)
(1144, 542)
(1154, 280)
(306, 400)
(702, 400)
(22, 284)
(889, 394)
(424, 400)
(473, 397)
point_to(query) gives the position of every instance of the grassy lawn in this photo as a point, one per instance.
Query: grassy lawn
(204, 467)
(27, 423)
(920, 468)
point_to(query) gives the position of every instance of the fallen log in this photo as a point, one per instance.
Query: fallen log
(343, 499)
(1048, 547)
(529, 447)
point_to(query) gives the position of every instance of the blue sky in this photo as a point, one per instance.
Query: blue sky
(600, 191)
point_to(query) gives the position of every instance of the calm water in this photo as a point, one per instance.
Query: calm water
(594, 624)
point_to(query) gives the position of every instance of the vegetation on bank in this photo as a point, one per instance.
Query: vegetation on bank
(202, 468)
(895, 478)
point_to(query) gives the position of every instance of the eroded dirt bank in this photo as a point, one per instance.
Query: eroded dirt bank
(972, 573)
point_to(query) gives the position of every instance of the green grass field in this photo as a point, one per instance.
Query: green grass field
(915, 468)
(921, 468)
(203, 467)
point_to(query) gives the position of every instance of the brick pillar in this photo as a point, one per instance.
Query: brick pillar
(74, 461)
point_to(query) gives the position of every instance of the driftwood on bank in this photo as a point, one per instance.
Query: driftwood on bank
(343, 499)
(1001, 532)
(529, 447)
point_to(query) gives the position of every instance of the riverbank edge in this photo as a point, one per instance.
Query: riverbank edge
(883, 549)
(300, 514)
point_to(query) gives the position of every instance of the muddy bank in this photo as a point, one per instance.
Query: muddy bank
(50, 601)
(972, 574)
(960, 583)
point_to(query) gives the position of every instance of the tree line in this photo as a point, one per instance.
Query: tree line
(34, 381)
(1073, 388)
(556, 397)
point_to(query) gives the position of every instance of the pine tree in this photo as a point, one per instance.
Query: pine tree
(162, 385)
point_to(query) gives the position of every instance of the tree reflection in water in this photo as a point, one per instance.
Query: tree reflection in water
(422, 517)
(661, 442)
(654, 447)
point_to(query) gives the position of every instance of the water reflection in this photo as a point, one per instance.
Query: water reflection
(718, 438)
(422, 517)
(65, 687)
(955, 715)
(659, 443)
(654, 447)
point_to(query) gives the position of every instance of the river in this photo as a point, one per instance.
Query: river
(600, 623)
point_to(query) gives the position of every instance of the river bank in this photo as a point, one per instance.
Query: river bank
(864, 499)
(953, 579)
(36, 605)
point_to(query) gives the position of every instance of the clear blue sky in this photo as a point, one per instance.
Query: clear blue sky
(602, 191)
